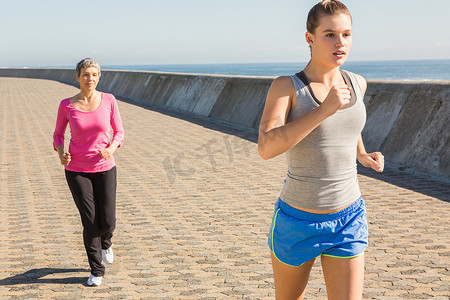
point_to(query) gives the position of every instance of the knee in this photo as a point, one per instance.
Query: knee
(88, 223)
(108, 224)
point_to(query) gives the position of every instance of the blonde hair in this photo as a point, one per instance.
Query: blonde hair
(86, 63)
(325, 7)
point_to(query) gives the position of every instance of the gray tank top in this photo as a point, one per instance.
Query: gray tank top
(322, 167)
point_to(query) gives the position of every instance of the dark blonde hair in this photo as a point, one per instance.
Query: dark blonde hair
(325, 7)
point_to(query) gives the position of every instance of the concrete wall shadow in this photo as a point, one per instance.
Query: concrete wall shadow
(421, 183)
(250, 134)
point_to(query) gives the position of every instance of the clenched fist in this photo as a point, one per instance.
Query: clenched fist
(105, 153)
(65, 158)
(338, 96)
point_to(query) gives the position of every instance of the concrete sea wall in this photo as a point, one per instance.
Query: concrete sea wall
(407, 121)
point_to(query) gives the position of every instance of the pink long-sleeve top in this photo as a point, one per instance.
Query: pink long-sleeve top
(90, 132)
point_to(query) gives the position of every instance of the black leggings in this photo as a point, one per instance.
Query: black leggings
(95, 197)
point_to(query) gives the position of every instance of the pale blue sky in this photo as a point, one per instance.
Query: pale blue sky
(123, 32)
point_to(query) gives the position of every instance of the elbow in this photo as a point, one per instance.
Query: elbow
(264, 153)
(263, 149)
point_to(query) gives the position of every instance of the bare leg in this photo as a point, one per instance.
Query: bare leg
(344, 277)
(290, 282)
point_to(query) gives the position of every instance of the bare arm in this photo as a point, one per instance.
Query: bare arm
(373, 160)
(275, 136)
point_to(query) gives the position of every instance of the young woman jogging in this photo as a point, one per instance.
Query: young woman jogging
(316, 116)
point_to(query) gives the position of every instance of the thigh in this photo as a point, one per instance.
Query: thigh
(105, 185)
(81, 187)
(290, 282)
(344, 277)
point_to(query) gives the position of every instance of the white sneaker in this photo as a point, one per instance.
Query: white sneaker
(94, 280)
(108, 255)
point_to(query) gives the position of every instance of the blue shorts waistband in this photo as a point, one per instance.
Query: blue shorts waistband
(300, 214)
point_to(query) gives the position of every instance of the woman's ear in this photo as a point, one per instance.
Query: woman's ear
(309, 38)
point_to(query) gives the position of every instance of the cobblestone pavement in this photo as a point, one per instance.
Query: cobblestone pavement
(194, 206)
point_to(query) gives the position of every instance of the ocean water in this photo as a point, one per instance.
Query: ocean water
(408, 70)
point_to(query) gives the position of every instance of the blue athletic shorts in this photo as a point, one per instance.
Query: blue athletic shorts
(297, 236)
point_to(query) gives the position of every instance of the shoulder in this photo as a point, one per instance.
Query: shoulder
(64, 107)
(280, 97)
(283, 80)
(108, 97)
(361, 81)
(283, 84)
(64, 102)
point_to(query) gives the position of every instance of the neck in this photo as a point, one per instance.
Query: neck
(87, 95)
(321, 73)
